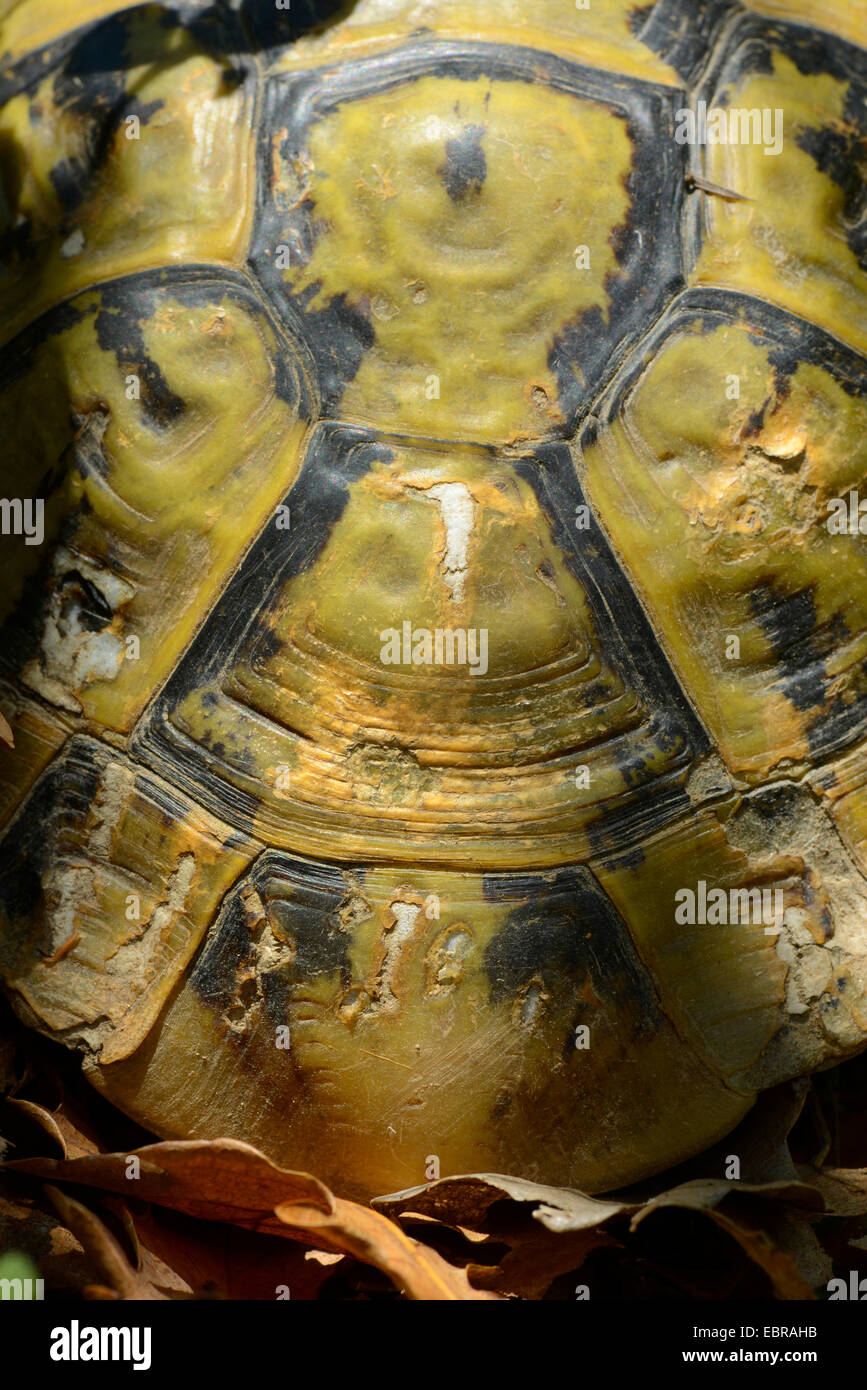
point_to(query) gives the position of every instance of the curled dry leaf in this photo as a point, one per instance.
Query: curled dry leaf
(70, 1131)
(706, 1194)
(466, 1200)
(42, 1119)
(793, 1233)
(576, 1224)
(99, 1244)
(779, 1266)
(218, 1180)
(532, 1266)
(566, 1226)
(761, 1140)
(742, 1224)
(418, 1271)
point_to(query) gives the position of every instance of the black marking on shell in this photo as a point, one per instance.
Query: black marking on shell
(842, 155)
(788, 340)
(789, 623)
(567, 932)
(98, 50)
(90, 80)
(118, 326)
(801, 648)
(751, 42)
(813, 51)
(62, 795)
(74, 179)
(465, 167)
(304, 903)
(639, 17)
(301, 899)
(271, 28)
(226, 948)
(69, 178)
(680, 32)
(91, 85)
(92, 610)
(15, 356)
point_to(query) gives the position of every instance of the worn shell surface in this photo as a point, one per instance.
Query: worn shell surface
(433, 591)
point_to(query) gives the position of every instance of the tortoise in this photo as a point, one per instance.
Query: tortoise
(434, 594)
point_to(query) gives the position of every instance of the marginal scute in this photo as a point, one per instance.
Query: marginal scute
(767, 983)
(37, 732)
(109, 881)
(843, 788)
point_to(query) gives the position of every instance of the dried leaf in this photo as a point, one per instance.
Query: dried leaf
(466, 1200)
(777, 1264)
(572, 1226)
(217, 1180)
(215, 1260)
(843, 1189)
(793, 1234)
(26, 1227)
(102, 1248)
(42, 1118)
(77, 1132)
(706, 1194)
(531, 1268)
(761, 1139)
(420, 1273)
(224, 1180)
(534, 1262)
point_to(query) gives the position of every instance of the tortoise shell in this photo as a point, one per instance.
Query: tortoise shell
(433, 588)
